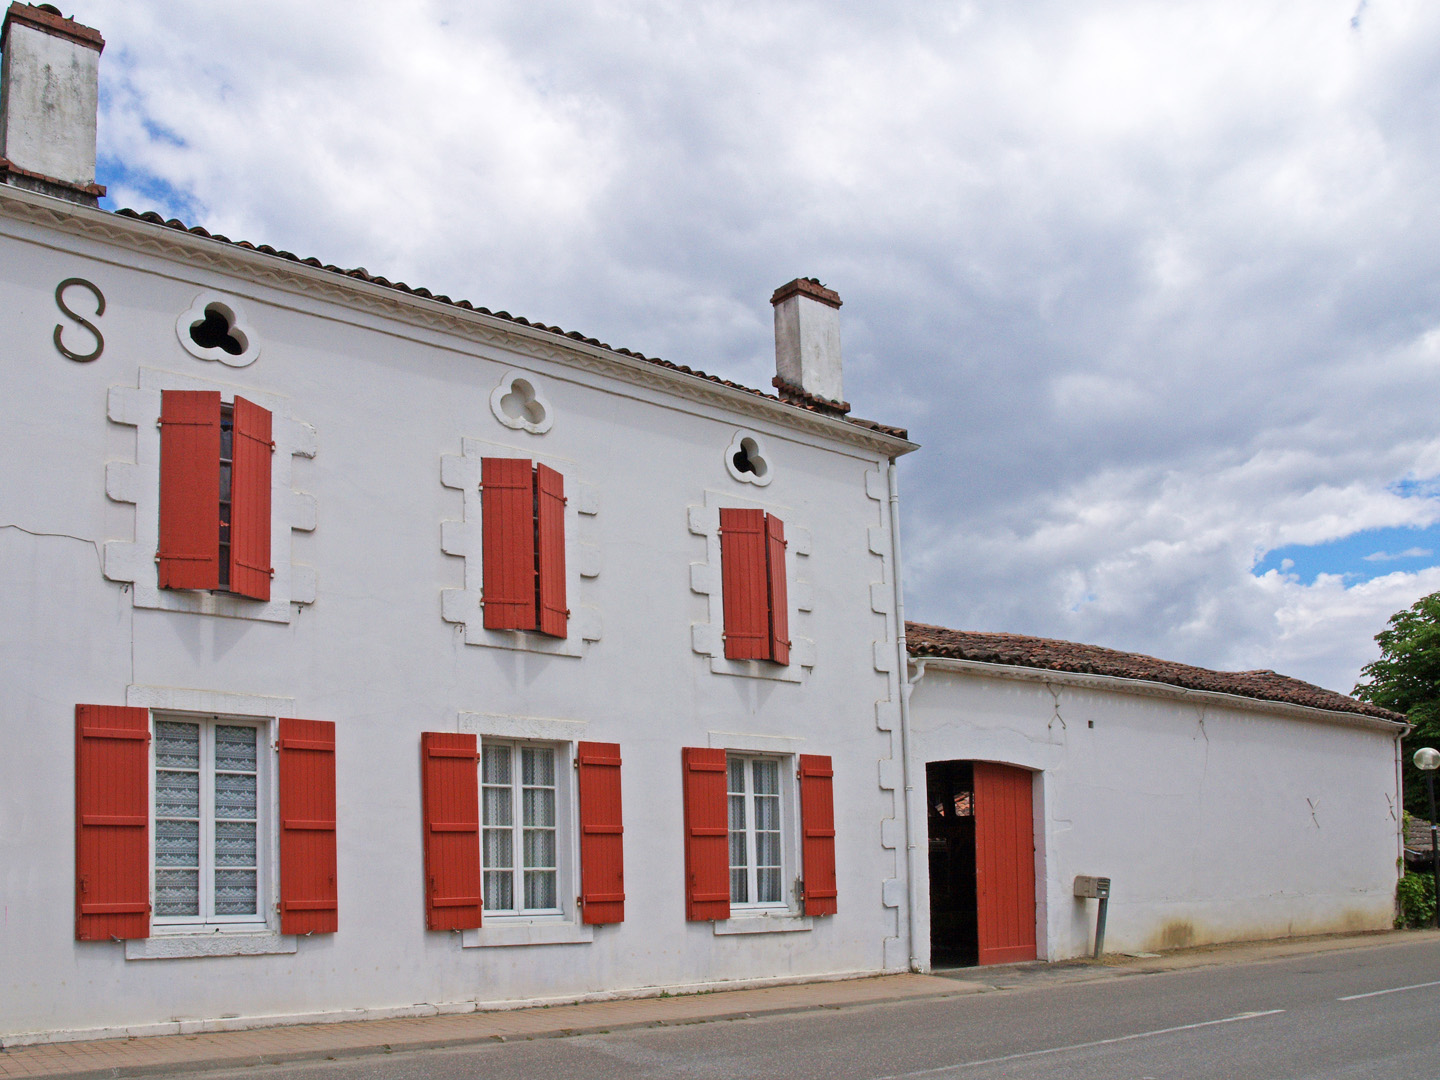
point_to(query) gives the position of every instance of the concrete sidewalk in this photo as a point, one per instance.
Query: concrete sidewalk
(162, 1054)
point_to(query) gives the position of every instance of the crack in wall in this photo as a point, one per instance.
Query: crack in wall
(99, 553)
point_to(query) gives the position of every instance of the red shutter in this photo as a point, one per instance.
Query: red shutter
(602, 857)
(744, 583)
(550, 549)
(707, 835)
(112, 822)
(250, 501)
(508, 534)
(308, 896)
(451, 793)
(779, 599)
(817, 825)
(189, 489)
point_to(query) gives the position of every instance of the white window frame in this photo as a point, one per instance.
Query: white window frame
(138, 482)
(707, 638)
(789, 811)
(566, 834)
(266, 817)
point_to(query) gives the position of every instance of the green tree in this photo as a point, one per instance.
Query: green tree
(1406, 679)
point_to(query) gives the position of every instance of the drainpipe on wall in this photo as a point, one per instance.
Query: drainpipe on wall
(1400, 800)
(904, 685)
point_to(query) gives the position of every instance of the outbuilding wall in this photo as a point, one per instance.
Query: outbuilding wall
(1216, 820)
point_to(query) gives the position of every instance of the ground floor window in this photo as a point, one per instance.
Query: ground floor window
(519, 815)
(210, 822)
(757, 873)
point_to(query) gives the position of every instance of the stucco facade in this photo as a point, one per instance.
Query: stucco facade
(384, 404)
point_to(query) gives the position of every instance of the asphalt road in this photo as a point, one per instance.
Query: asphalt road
(1372, 1012)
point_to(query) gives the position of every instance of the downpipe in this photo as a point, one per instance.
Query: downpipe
(904, 685)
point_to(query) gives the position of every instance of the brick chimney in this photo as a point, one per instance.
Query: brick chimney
(49, 96)
(807, 346)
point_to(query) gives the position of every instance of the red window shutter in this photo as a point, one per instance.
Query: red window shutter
(550, 549)
(189, 489)
(309, 900)
(779, 599)
(112, 822)
(451, 792)
(744, 584)
(817, 825)
(707, 835)
(602, 856)
(508, 534)
(250, 571)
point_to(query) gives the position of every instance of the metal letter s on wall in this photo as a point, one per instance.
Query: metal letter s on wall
(70, 354)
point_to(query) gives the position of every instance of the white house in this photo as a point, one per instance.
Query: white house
(370, 653)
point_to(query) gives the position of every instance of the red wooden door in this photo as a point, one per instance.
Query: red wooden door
(1004, 863)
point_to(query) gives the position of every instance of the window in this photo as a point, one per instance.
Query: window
(740, 832)
(529, 821)
(518, 829)
(209, 852)
(523, 533)
(756, 870)
(214, 494)
(752, 572)
(203, 783)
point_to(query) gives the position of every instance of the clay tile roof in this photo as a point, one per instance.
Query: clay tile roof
(1045, 653)
(816, 405)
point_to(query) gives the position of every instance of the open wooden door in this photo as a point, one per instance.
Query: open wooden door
(1004, 863)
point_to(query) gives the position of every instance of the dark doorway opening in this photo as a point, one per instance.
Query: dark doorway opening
(954, 922)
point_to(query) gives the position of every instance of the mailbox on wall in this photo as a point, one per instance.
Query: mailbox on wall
(1092, 888)
(1095, 888)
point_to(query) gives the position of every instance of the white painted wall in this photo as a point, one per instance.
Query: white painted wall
(1215, 818)
(390, 386)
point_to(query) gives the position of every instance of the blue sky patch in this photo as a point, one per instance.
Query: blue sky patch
(160, 195)
(1359, 557)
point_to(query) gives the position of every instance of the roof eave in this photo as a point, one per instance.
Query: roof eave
(277, 271)
(1151, 688)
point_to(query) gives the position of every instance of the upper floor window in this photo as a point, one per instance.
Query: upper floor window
(523, 533)
(214, 494)
(752, 578)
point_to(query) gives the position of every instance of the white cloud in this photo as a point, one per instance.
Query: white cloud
(1408, 553)
(1155, 284)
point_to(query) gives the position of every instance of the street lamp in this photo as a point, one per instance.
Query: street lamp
(1427, 760)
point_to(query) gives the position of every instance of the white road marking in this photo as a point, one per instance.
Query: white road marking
(1392, 990)
(1080, 1046)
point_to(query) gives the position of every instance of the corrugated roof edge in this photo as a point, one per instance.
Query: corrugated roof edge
(375, 279)
(1048, 654)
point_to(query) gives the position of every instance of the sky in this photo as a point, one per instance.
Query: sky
(1156, 285)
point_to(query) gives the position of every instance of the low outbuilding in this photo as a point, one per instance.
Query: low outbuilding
(1221, 805)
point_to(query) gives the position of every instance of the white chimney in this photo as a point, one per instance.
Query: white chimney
(49, 95)
(807, 343)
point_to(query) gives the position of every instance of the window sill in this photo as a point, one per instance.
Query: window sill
(498, 933)
(760, 923)
(211, 943)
